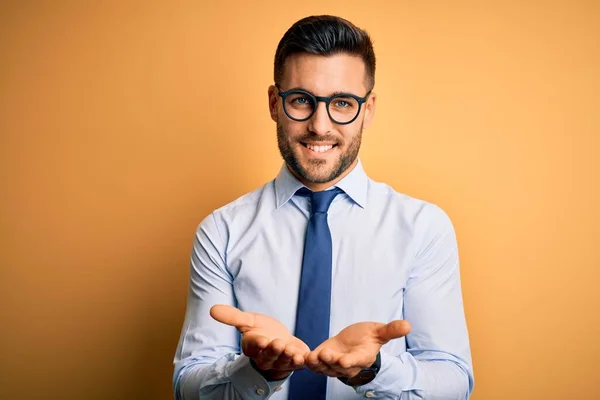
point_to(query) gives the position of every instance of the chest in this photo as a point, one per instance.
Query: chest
(371, 261)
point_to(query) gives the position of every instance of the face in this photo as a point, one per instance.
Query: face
(318, 151)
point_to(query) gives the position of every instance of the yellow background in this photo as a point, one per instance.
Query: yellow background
(122, 124)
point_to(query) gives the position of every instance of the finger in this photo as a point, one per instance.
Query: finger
(291, 358)
(269, 356)
(357, 359)
(314, 360)
(253, 345)
(229, 315)
(329, 356)
(300, 345)
(274, 350)
(313, 357)
(289, 361)
(394, 330)
(298, 361)
(283, 362)
(295, 355)
(290, 351)
(319, 368)
(347, 361)
(328, 369)
(331, 360)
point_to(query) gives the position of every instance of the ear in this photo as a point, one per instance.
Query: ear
(273, 103)
(370, 110)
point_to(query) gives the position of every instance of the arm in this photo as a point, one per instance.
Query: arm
(208, 363)
(437, 364)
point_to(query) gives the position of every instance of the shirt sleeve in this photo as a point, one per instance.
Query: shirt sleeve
(207, 362)
(437, 363)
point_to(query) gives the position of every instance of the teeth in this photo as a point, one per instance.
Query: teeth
(319, 149)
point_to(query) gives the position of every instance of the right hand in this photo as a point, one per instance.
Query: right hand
(265, 340)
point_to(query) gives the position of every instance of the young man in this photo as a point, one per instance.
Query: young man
(324, 284)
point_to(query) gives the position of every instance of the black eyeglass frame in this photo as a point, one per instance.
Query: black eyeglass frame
(317, 99)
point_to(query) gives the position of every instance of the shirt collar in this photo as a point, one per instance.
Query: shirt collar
(354, 185)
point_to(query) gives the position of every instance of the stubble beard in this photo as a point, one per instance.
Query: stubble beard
(317, 171)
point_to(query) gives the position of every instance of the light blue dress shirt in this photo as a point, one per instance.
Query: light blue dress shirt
(394, 257)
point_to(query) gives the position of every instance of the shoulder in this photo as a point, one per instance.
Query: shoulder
(421, 222)
(247, 203)
(418, 213)
(244, 208)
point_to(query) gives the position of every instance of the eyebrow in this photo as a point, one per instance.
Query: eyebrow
(336, 93)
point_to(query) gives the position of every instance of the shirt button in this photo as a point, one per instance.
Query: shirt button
(260, 391)
(370, 394)
(277, 388)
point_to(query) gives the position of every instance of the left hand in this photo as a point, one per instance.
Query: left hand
(275, 351)
(354, 348)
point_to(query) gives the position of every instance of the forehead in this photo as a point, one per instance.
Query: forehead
(324, 75)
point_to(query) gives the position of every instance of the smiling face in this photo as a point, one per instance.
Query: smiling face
(318, 151)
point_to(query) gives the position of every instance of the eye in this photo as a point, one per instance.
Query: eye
(342, 104)
(300, 100)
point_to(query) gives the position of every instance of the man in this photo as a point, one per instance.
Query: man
(324, 284)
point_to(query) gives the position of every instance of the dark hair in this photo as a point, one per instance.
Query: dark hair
(326, 35)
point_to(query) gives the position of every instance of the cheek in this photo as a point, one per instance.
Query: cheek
(348, 133)
(293, 130)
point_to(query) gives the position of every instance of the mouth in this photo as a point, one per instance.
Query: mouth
(319, 148)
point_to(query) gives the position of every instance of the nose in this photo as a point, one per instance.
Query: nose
(320, 123)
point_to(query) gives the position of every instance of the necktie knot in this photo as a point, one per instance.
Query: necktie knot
(320, 201)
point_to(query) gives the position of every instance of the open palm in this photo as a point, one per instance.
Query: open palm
(354, 348)
(265, 340)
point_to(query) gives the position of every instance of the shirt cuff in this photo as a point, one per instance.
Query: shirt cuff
(249, 383)
(396, 374)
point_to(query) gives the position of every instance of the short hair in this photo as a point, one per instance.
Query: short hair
(326, 35)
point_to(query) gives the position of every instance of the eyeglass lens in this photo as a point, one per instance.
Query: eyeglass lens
(301, 106)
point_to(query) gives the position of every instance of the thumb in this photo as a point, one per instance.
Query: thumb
(394, 330)
(229, 315)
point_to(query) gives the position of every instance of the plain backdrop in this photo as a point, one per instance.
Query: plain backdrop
(123, 124)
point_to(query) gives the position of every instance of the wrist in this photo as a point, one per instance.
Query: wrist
(270, 374)
(366, 375)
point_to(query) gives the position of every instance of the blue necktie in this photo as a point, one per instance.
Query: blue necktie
(314, 297)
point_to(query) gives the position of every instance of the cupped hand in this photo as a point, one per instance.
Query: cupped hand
(265, 340)
(354, 348)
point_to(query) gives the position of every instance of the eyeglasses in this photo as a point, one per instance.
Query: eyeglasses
(300, 105)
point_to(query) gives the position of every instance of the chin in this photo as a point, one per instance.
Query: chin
(321, 174)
